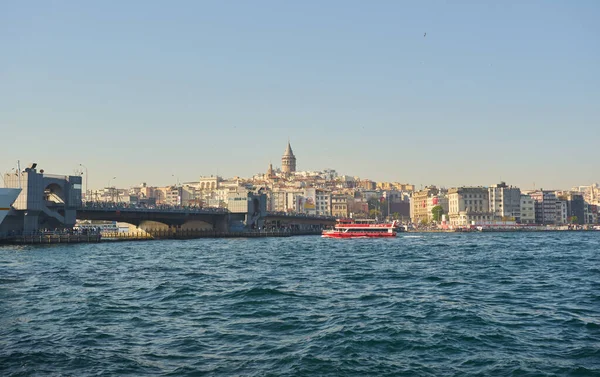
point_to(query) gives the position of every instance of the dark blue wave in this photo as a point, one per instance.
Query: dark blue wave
(418, 305)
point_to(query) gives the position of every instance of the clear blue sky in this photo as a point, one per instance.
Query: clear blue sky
(152, 90)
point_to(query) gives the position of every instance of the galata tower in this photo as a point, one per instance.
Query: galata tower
(288, 161)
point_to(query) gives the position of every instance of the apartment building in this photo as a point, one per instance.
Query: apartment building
(527, 210)
(561, 212)
(341, 205)
(545, 206)
(419, 209)
(468, 205)
(505, 202)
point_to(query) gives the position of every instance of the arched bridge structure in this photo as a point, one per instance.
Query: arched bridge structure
(297, 220)
(192, 218)
(172, 217)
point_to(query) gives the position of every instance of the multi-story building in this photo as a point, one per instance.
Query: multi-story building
(561, 212)
(323, 202)
(367, 184)
(341, 205)
(360, 208)
(468, 205)
(527, 210)
(209, 183)
(545, 206)
(505, 202)
(419, 210)
(592, 214)
(575, 206)
(178, 195)
(277, 201)
(591, 194)
(441, 199)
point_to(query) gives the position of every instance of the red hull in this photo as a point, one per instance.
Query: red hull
(357, 235)
(349, 228)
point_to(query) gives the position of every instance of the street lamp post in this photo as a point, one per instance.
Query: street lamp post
(86, 181)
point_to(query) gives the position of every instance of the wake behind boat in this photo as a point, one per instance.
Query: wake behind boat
(363, 228)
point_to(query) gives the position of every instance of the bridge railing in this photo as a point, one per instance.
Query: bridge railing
(110, 206)
(119, 206)
(298, 214)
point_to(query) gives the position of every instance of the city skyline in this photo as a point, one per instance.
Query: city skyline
(150, 93)
(175, 180)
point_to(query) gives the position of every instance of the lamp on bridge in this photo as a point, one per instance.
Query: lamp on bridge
(86, 181)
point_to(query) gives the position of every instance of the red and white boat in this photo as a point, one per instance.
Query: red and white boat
(353, 228)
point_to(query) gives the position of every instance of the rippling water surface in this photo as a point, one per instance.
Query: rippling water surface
(420, 304)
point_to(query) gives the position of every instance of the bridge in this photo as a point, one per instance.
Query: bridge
(165, 216)
(291, 219)
(156, 217)
(49, 201)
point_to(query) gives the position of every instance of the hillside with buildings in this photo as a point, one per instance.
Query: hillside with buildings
(326, 192)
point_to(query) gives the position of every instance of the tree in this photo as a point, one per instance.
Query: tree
(437, 212)
(573, 219)
(374, 213)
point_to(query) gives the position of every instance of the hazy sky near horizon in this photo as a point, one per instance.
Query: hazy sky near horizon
(155, 91)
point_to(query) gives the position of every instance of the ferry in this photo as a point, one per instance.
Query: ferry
(363, 228)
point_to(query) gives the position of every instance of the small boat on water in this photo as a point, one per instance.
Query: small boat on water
(363, 228)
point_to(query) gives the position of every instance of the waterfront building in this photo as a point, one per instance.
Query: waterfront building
(505, 202)
(288, 161)
(418, 205)
(468, 205)
(527, 210)
(561, 212)
(575, 206)
(441, 199)
(545, 206)
(591, 213)
(400, 206)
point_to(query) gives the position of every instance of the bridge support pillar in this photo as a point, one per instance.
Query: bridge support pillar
(221, 223)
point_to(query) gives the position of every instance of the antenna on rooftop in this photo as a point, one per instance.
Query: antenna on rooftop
(19, 172)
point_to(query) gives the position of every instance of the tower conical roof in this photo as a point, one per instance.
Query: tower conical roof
(288, 150)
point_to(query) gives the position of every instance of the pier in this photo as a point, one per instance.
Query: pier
(50, 238)
(187, 234)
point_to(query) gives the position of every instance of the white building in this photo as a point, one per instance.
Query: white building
(527, 210)
(468, 205)
(323, 202)
(505, 202)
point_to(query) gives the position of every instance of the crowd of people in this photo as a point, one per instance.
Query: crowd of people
(145, 207)
(179, 208)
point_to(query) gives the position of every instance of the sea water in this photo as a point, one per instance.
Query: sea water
(524, 304)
